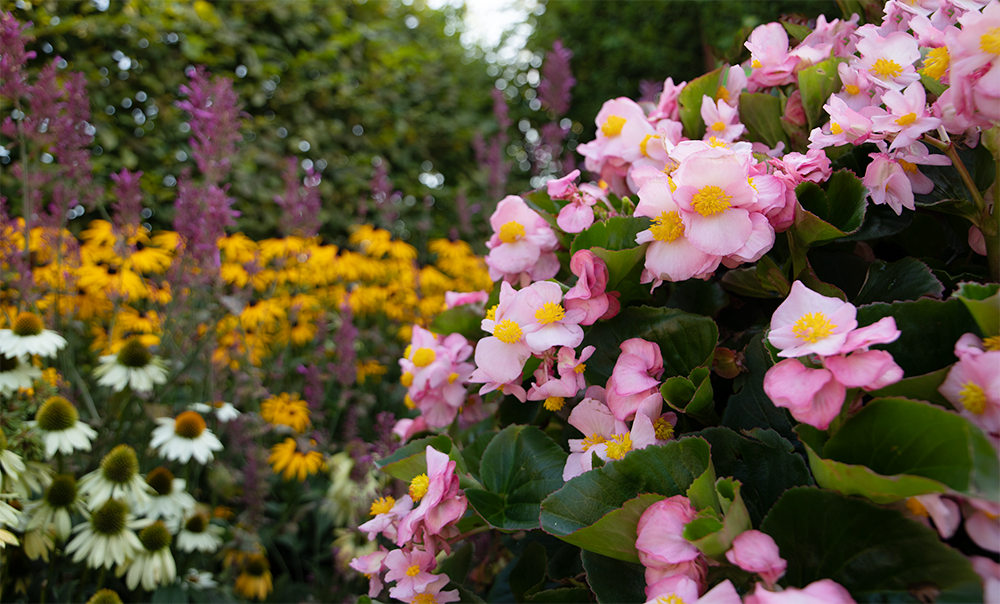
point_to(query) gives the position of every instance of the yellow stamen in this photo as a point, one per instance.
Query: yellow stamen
(491, 314)
(718, 126)
(756, 64)
(721, 94)
(710, 200)
(621, 445)
(835, 128)
(973, 398)
(813, 327)
(406, 379)
(452, 377)
(907, 166)
(427, 598)
(990, 41)
(554, 403)
(852, 89)
(592, 441)
(916, 508)
(712, 142)
(936, 63)
(424, 357)
(991, 343)
(413, 571)
(418, 487)
(580, 368)
(906, 120)
(550, 312)
(511, 232)
(508, 331)
(663, 429)
(671, 599)
(410, 404)
(645, 141)
(887, 68)
(613, 126)
(382, 505)
(667, 227)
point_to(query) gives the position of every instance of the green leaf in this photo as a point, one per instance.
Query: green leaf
(615, 581)
(880, 221)
(929, 329)
(816, 84)
(666, 470)
(899, 436)
(457, 565)
(825, 215)
(473, 454)
(876, 553)
(521, 466)
(761, 114)
(795, 31)
(920, 387)
(466, 320)
(692, 395)
(900, 281)
(750, 407)
(410, 460)
(560, 595)
(932, 85)
(764, 463)
(747, 282)
(686, 340)
(690, 102)
(615, 233)
(528, 575)
(983, 303)
(697, 296)
(714, 538)
(614, 534)
(169, 594)
(624, 272)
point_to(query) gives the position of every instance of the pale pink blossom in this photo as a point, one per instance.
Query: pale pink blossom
(722, 121)
(859, 91)
(871, 370)
(846, 126)
(761, 240)
(522, 243)
(756, 552)
(887, 183)
(811, 323)
(989, 572)
(578, 214)
(622, 126)
(661, 532)
(687, 590)
(436, 375)
(839, 34)
(888, 59)
(598, 424)
(501, 357)
(907, 116)
(443, 504)
(667, 106)
(386, 522)
(914, 155)
(982, 523)
(824, 591)
(973, 387)
(769, 57)
(406, 428)
(635, 377)
(410, 569)
(813, 396)
(970, 345)
(570, 381)
(814, 166)
(433, 590)
(589, 293)
(372, 566)
(553, 324)
(942, 510)
(453, 299)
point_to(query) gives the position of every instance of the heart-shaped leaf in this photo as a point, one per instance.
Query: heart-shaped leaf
(761, 114)
(816, 84)
(615, 581)
(906, 279)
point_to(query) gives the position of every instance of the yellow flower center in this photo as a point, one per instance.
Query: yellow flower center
(718, 126)
(936, 63)
(613, 126)
(852, 89)
(906, 120)
(645, 141)
(452, 377)
(423, 357)
(511, 231)
(916, 508)
(973, 398)
(418, 487)
(835, 128)
(710, 200)
(813, 327)
(408, 402)
(620, 445)
(907, 166)
(580, 368)
(27, 324)
(508, 331)
(671, 599)
(712, 142)
(667, 227)
(382, 505)
(57, 414)
(406, 379)
(550, 312)
(991, 343)
(990, 41)
(756, 64)
(663, 429)
(427, 598)
(887, 68)
(491, 314)
(554, 403)
(721, 94)
(592, 441)
(189, 424)
(413, 571)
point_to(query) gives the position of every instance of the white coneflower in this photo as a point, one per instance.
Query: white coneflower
(134, 366)
(198, 580)
(154, 565)
(20, 477)
(29, 336)
(56, 508)
(60, 426)
(199, 534)
(170, 502)
(108, 538)
(118, 477)
(224, 412)
(9, 516)
(16, 373)
(184, 437)
(105, 596)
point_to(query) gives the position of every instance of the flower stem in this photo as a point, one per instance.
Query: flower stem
(469, 533)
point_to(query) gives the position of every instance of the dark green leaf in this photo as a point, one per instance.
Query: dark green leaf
(528, 575)
(411, 460)
(560, 595)
(697, 296)
(983, 303)
(690, 102)
(614, 534)
(521, 466)
(473, 454)
(615, 233)
(685, 340)
(746, 282)
(900, 281)
(750, 407)
(761, 114)
(920, 387)
(876, 553)
(465, 319)
(880, 221)
(816, 84)
(615, 581)
(624, 272)
(827, 214)
(169, 594)
(457, 565)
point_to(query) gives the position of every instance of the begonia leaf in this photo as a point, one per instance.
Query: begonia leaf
(750, 407)
(747, 282)
(899, 436)
(691, 395)
(473, 453)
(686, 340)
(690, 102)
(559, 595)
(410, 460)
(761, 114)
(615, 581)
(528, 575)
(764, 463)
(983, 303)
(827, 214)
(466, 320)
(900, 281)
(457, 565)
(520, 467)
(880, 221)
(816, 84)
(614, 534)
(624, 272)
(666, 470)
(919, 387)
(615, 233)
(698, 296)
(712, 537)
(929, 329)
(876, 553)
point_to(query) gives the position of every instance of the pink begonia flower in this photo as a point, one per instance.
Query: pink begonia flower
(641, 435)
(888, 184)
(907, 116)
(501, 357)
(436, 375)
(838, 33)
(814, 166)
(589, 293)
(870, 370)
(522, 243)
(794, 112)
(666, 577)
(989, 572)
(555, 325)
(973, 387)
(411, 572)
(756, 552)
(622, 126)
(578, 214)
(453, 299)
(859, 91)
(635, 378)
(661, 532)
(775, 199)
(811, 323)
(722, 121)
(687, 591)
(442, 504)
(813, 396)
(736, 82)
(761, 240)
(406, 427)
(914, 155)
(971, 345)
(772, 64)
(570, 381)
(982, 525)
(942, 510)
(595, 420)
(667, 106)
(385, 522)
(670, 255)
(433, 594)
(889, 60)
(371, 566)
(563, 188)
(846, 126)
(975, 65)
(824, 591)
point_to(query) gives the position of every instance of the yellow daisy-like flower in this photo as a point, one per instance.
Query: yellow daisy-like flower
(255, 580)
(287, 410)
(286, 457)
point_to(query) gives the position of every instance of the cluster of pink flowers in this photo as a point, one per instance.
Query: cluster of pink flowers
(677, 570)
(420, 533)
(825, 354)
(522, 248)
(578, 214)
(435, 375)
(973, 383)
